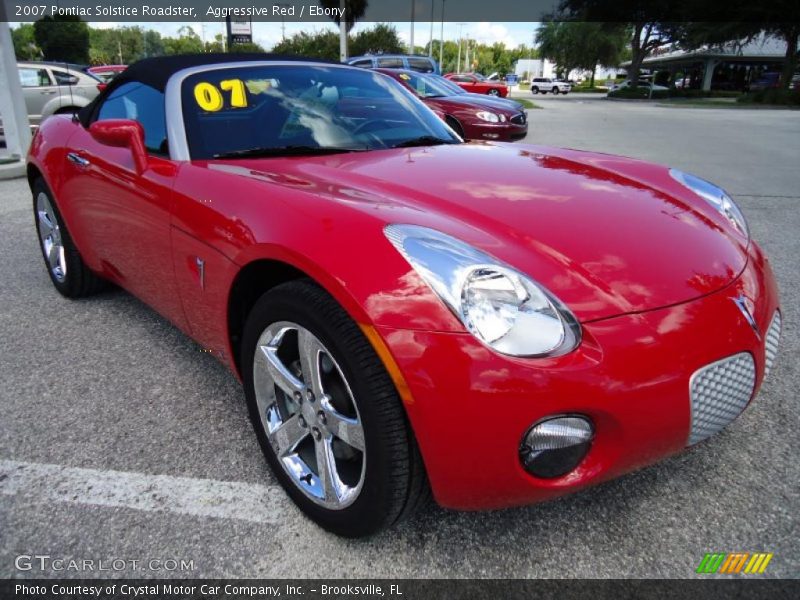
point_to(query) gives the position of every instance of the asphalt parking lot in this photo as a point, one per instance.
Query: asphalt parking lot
(121, 439)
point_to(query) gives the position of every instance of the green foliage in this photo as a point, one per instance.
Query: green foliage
(323, 44)
(380, 39)
(62, 38)
(354, 10)
(581, 45)
(772, 96)
(25, 47)
(187, 42)
(123, 45)
(251, 47)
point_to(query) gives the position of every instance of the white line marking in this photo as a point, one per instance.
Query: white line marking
(43, 483)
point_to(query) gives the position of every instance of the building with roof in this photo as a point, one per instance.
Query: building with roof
(731, 66)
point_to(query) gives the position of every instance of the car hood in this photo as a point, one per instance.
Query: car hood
(461, 102)
(607, 235)
(489, 101)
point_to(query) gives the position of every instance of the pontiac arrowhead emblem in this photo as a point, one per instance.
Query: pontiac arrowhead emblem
(746, 306)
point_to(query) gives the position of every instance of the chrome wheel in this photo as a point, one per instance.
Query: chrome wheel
(309, 415)
(50, 237)
(494, 92)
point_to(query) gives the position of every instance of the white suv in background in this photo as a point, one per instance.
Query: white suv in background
(545, 84)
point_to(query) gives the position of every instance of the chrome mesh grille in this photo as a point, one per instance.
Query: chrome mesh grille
(773, 337)
(719, 393)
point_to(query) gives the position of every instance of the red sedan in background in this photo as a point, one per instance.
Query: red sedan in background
(107, 72)
(472, 117)
(499, 324)
(478, 84)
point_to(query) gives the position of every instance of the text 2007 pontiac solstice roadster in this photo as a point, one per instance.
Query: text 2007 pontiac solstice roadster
(499, 324)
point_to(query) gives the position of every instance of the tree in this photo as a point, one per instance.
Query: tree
(353, 10)
(777, 18)
(123, 45)
(647, 20)
(380, 39)
(248, 47)
(25, 47)
(323, 44)
(62, 38)
(187, 42)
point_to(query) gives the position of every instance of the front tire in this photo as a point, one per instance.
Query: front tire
(327, 415)
(69, 274)
(493, 92)
(555, 91)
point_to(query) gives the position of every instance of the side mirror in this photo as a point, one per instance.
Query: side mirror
(122, 133)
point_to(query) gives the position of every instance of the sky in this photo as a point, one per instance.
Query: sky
(269, 34)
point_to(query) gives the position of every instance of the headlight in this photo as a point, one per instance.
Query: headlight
(485, 115)
(500, 306)
(715, 196)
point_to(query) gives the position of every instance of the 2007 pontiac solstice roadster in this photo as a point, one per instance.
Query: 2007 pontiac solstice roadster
(498, 324)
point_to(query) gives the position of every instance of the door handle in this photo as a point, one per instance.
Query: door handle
(78, 160)
(48, 92)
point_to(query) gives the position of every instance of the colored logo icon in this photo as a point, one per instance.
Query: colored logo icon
(734, 562)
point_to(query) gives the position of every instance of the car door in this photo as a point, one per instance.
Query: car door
(124, 215)
(38, 90)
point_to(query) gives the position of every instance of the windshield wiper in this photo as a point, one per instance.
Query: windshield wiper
(425, 140)
(286, 151)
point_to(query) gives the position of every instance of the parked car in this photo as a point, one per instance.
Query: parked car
(52, 88)
(468, 114)
(501, 324)
(642, 83)
(545, 84)
(106, 72)
(484, 99)
(766, 81)
(478, 84)
(423, 64)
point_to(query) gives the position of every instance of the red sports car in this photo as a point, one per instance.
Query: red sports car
(500, 324)
(467, 114)
(478, 84)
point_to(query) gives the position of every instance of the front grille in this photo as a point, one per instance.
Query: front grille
(518, 119)
(773, 337)
(719, 393)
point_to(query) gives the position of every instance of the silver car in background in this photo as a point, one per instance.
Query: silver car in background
(51, 88)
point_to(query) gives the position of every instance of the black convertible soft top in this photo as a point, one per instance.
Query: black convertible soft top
(156, 71)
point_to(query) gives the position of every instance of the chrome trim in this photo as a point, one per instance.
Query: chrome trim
(312, 440)
(76, 159)
(718, 393)
(176, 132)
(741, 303)
(772, 341)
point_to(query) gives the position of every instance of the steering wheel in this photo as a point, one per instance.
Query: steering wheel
(369, 125)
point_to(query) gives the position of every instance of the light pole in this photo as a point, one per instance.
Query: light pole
(441, 40)
(430, 44)
(342, 33)
(411, 44)
(460, 27)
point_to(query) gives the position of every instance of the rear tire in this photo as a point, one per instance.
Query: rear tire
(535, 90)
(69, 274)
(353, 467)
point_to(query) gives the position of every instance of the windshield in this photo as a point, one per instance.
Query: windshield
(424, 85)
(275, 110)
(454, 89)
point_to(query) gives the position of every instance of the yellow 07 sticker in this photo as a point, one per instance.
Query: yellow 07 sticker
(210, 99)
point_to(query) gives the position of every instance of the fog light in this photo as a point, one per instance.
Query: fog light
(556, 446)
